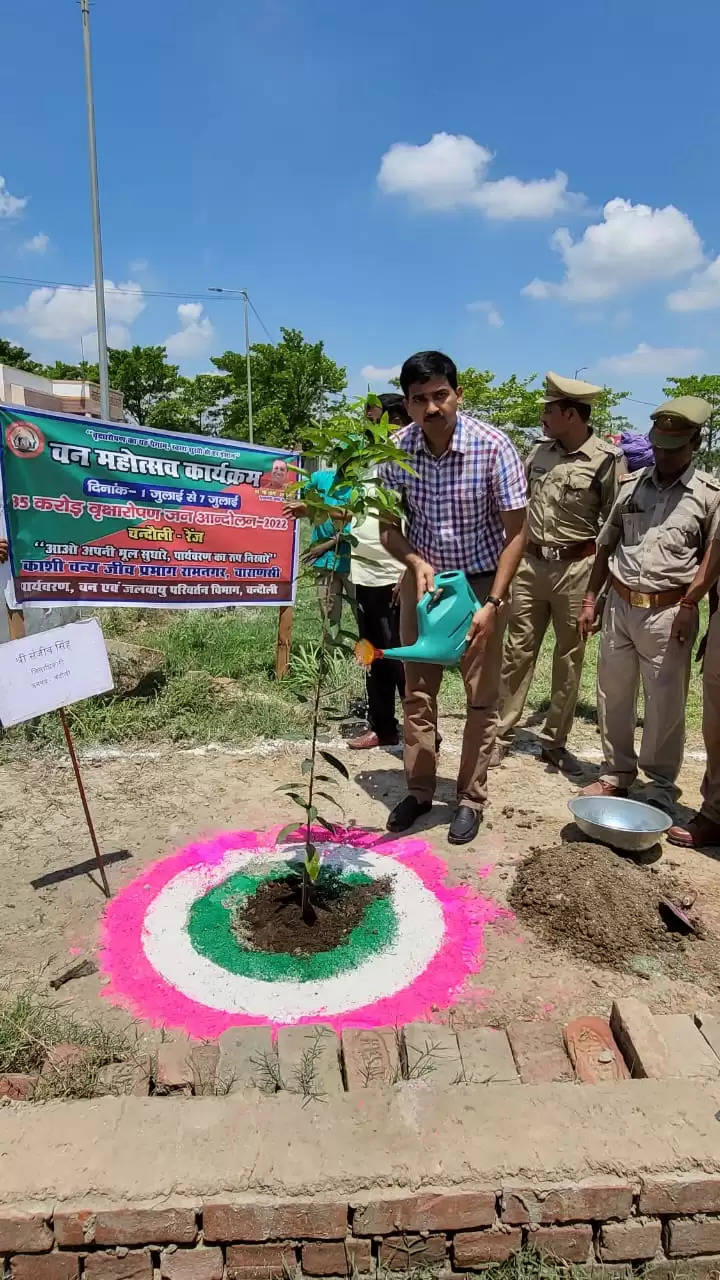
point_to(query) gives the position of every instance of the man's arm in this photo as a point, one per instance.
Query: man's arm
(515, 526)
(707, 575)
(394, 541)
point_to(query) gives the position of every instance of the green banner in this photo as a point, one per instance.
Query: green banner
(111, 514)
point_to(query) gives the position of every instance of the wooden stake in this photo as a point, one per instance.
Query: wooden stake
(284, 638)
(83, 797)
(16, 623)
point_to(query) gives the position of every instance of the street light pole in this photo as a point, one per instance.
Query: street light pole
(246, 304)
(95, 216)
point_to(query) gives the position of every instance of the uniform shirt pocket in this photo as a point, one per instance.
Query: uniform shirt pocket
(635, 525)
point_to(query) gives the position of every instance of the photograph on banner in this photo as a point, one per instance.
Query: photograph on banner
(116, 514)
(39, 674)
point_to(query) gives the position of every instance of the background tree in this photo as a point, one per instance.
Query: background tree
(144, 377)
(61, 370)
(706, 385)
(17, 357)
(293, 384)
(197, 405)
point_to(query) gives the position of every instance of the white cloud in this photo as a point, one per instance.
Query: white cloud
(37, 244)
(634, 245)
(656, 361)
(138, 265)
(489, 309)
(68, 313)
(702, 293)
(450, 171)
(195, 335)
(374, 373)
(10, 206)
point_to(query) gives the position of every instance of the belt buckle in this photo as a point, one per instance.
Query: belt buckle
(640, 599)
(551, 553)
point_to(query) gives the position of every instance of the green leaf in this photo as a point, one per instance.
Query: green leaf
(332, 800)
(286, 831)
(327, 825)
(336, 764)
(298, 800)
(306, 766)
(312, 865)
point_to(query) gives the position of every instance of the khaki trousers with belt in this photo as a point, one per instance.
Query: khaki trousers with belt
(711, 722)
(544, 591)
(635, 645)
(481, 676)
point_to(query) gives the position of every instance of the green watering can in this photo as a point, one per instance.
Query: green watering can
(443, 621)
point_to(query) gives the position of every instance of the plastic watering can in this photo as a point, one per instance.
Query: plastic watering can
(443, 621)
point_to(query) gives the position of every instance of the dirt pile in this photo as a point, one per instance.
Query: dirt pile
(599, 907)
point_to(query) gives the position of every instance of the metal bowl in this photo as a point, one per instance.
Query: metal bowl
(626, 824)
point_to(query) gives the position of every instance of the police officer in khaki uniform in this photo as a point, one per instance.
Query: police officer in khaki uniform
(573, 480)
(651, 546)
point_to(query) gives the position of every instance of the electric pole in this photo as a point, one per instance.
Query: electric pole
(246, 304)
(95, 217)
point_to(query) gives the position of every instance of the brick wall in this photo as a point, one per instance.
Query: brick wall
(656, 1222)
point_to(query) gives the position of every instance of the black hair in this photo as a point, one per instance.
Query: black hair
(583, 410)
(425, 365)
(390, 400)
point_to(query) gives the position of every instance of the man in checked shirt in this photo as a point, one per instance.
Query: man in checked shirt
(464, 508)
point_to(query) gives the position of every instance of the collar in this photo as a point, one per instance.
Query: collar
(459, 439)
(587, 448)
(684, 478)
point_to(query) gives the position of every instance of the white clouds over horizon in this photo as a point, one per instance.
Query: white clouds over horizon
(702, 293)
(634, 245)
(378, 373)
(450, 172)
(37, 244)
(10, 206)
(195, 335)
(488, 309)
(67, 314)
(653, 361)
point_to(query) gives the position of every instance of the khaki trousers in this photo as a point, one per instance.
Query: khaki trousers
(481, 676)
(635, 645)
(711, 722)
(544, 591)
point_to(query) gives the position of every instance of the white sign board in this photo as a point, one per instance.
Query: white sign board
(44, 672)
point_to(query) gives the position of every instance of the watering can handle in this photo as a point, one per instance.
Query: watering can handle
(433, 597)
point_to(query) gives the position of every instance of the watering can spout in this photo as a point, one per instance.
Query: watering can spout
(443, 620)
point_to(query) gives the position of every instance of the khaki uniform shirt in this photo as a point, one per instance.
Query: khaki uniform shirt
(657, 536)
(571, 493)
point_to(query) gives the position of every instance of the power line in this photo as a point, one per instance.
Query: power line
(188, 295)
(259, 317)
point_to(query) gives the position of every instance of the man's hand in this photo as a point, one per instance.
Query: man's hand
(395, 597)
(683, 625)
(424, 577)
(3, 550)
(586, 619)
(294, 510)
(482, 626)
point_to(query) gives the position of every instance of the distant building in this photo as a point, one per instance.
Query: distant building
(56, 395)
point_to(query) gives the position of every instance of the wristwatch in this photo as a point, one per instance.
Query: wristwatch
(495, 600)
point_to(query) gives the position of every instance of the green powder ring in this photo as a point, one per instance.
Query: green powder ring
(211, 935)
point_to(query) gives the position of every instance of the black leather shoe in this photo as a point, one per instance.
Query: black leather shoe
(406, 813)
(465, 825)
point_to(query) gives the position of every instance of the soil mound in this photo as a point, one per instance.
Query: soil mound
(271, 919)
(599, 907)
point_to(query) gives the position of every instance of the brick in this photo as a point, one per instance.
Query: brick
(131, 1079)
(108, 1266)
(62, 1059)
(691, 1057)
(251, 1222)
(145, 1226)
(689, 1236)
(633, 1241)
(476, 1248)
(425, 1212)
(17, 1087)
(567, 1244)
(309, 1061)
(486, 1057)
(432, 1053)
(174, 1069)
(371, 1057)
(539, 1052)
(405, 1253)
(192, 1264)
(688, 1269)
(74, 1227)
(640, 1039)
(593, 1051)
(577, 1202)
(343, 1258)
(260, 1261)
(204, 1059)
(709, 1024)
(681, 1193)
(24, 1233)
(51, 1266)
(244, 1052)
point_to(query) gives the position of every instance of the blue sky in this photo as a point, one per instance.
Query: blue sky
(256, 143)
